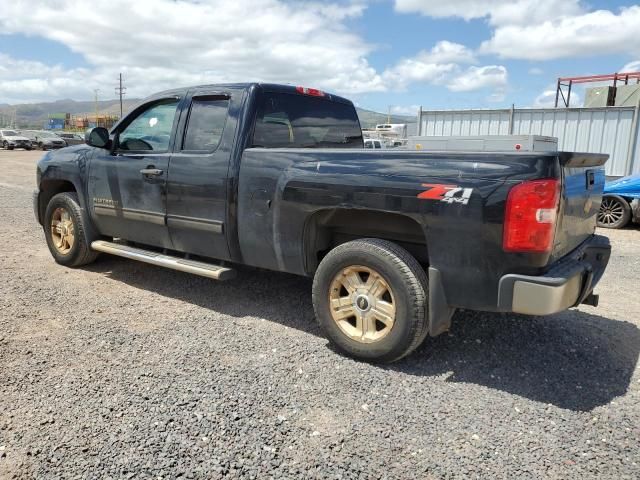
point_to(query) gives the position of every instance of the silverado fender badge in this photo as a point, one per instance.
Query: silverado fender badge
(446, 193)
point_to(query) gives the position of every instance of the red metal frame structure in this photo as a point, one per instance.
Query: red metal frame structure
(570, 81)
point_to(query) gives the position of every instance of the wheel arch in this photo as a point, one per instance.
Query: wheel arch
(49, 188)
(618, 195)
(327, 228)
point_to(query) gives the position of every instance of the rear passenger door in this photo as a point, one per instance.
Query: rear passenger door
(197, 183)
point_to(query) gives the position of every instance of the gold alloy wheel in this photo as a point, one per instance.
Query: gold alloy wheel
(62, 230)
(362, 304)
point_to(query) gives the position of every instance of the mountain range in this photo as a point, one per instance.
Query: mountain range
(35, 115)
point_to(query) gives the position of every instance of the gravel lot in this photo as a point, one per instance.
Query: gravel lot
(124, 370)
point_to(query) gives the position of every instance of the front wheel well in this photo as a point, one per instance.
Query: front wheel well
(326, 229)
(49, 189)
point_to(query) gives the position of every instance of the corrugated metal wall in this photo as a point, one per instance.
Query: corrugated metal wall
(597, 130)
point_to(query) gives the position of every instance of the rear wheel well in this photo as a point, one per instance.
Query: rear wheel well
(327, 229)
(50, 188)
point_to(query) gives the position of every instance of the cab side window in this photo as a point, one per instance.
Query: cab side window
(151, 129)
(207, 117)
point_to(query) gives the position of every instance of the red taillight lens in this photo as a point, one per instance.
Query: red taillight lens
(530, 217)
(314, 92)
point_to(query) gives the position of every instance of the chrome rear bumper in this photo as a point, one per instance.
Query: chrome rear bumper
(568, 283)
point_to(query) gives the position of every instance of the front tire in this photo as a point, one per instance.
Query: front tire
(370, 299)
(615, 212)
(68, 235)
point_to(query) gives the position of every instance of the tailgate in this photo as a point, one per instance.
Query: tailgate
(583, 181)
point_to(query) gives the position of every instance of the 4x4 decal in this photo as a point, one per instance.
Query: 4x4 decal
(446, 193)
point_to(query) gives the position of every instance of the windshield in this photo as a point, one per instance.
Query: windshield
(9, 133)
(47, 135)
(299, 121)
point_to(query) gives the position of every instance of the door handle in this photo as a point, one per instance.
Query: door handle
(151, 172)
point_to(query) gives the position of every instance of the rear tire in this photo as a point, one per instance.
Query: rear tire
(370, 299)
(68, 235)
(615, 212)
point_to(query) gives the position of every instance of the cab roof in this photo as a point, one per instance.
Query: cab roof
(267, 87)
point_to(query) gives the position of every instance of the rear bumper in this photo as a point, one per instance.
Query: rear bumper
(567, 284)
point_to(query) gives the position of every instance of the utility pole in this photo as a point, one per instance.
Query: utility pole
(95, 93)
(120, 91)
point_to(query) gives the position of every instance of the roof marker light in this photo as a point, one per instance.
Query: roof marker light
(314, 92)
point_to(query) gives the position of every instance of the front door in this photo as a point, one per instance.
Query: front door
(198, 176)
(127, 187)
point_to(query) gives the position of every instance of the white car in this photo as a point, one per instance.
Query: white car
(10, 139)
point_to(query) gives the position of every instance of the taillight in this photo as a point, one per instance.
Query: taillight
(314, 92)
(530, 216)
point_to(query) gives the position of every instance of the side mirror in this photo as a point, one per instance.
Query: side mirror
(97, 137)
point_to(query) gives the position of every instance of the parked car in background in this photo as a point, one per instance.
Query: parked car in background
(71, 138)
(44, 140)
(10, 139)
(620, 202)
(371, 143)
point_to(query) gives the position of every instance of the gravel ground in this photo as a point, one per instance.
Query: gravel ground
(122, 370)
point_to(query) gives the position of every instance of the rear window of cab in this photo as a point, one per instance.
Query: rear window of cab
(288, 120)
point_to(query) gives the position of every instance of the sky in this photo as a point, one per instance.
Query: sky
(382, 54)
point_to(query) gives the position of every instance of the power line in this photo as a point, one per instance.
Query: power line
(121, 91)
(95, 92)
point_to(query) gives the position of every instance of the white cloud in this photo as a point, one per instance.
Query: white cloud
(547, 99)
(475, 78)
(497, 97)
(595, 33)
(541, 29)
(29, 80)
(631, 67)
(498, 12)
(164, 43)
(404, 109)
(160, 44)
(442, 65)
(447, 52)
(535, 71)
(414, 70)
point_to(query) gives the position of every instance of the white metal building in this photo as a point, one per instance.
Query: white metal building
(612, 130)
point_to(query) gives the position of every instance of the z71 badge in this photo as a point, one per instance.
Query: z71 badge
(446, 193)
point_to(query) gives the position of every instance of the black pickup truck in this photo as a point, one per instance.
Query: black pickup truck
(204, 178)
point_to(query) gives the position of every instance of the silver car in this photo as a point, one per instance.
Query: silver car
(44, 140)
(10, 139)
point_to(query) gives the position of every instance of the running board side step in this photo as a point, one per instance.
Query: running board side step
(175, 263)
